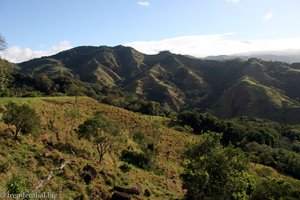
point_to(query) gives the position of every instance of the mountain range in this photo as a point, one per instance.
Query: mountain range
(227, 88)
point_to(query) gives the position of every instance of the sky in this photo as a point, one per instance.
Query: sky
(35, 28)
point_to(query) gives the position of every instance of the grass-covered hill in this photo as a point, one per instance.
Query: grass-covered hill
(257, 88)
(148, 154)
(33, 157)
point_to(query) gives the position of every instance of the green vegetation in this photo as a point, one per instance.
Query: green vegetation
(17, 185)
(125, 167)
(87, 150)
(265, 142)
(275, 189)
(6, 78)
(36, 157)
(23, 118)
(215, 172)
(165, 83)
(100, 131)
(147, 152)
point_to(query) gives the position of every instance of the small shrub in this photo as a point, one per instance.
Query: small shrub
(32, 94)
(147, 193)
(135, 158)
(125, 167)
(17, 185)
(108, 182)
(139, 137)
(185, 128)
(4, 167)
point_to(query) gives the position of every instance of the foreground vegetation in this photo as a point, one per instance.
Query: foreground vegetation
(94, 149)
(33, 156)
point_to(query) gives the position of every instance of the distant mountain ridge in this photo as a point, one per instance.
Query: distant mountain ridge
(288, 56)
(228, 88)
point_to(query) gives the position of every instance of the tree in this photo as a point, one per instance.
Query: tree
(2, 43)
(23, 117)
(100, 131)
(200, 121)
(5, 76)
(275, 189)
(215, 172)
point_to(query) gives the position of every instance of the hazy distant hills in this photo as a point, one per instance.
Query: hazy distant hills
(225, 88)
(288, 56)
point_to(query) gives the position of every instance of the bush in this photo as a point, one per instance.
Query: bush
(108, 182)
(139, 137)
(32, 94)
(17, 185)
(4, 166)
(147, 193)
(185, 128)
(125, 167)
(135, 158)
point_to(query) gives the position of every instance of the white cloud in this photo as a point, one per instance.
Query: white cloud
(233, 1)
(220, 44)
(268, 16)
(17, 54)
(143, 3)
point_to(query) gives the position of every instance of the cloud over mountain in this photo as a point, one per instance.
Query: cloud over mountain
(217, 44)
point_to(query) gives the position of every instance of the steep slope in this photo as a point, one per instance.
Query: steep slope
(32, 158)
(180, 81)
(92, 64)
(247, 97)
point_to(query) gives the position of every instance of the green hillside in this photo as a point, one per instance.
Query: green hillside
(34, 156)
(247, 97)
(176, 81)
(111, 122)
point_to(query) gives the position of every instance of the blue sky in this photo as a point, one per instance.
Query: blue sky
(34, 28)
